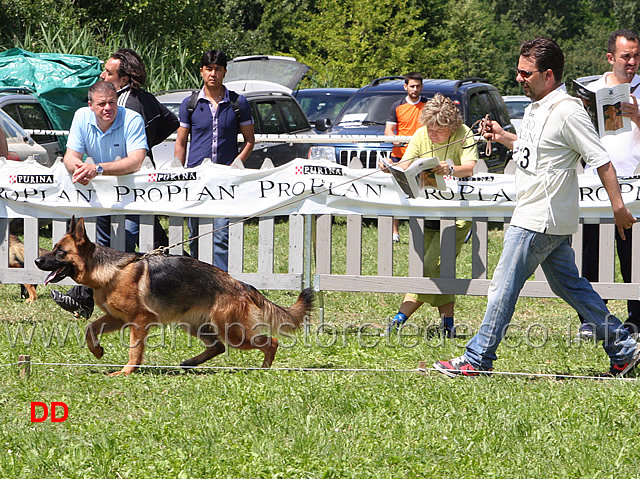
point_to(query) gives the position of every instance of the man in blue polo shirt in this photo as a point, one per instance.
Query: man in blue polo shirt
(103, 131)
(214, 123)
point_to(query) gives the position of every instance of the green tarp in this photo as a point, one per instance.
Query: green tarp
(59, 81)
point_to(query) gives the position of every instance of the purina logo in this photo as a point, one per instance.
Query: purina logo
(163, 177)
(31, 179)
(319, 170)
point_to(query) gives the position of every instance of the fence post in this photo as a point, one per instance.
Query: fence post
(24, 366)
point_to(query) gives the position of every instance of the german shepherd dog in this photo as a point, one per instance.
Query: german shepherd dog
(141, 291)
(16, 260)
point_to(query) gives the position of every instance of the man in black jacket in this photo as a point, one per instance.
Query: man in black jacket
(127, 73)
(125, 70)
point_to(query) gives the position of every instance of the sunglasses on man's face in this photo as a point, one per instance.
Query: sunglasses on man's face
(525, 73)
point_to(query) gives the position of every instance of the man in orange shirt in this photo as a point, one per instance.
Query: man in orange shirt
(403, 121)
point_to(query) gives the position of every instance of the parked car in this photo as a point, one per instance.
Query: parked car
(515, 106)
(25, 109)
(321, 104)
(368, 109)
(20, 143)
(266, 82)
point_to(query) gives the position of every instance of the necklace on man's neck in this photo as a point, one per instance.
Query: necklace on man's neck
(216, 97)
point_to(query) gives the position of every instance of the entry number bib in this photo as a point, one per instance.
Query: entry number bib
(526, 157)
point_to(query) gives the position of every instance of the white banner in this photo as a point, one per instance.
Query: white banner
(301, 186)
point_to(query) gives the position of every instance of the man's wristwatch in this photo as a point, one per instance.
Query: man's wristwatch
(99, 170)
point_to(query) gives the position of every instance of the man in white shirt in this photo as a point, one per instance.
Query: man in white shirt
(555, 134)
(624, 150)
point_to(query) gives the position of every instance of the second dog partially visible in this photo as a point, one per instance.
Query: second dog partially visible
(139, 292)
(16, 260)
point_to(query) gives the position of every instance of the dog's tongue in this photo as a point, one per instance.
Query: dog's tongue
(53, 277)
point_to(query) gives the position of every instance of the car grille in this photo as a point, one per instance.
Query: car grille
(368, 158)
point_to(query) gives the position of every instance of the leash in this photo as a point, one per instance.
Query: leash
(482, 125)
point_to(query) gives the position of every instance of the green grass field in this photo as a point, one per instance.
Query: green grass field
(340, 402)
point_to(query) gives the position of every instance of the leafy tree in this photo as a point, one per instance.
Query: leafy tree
(349, 43)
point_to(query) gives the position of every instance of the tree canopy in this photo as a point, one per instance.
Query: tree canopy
(345, 42)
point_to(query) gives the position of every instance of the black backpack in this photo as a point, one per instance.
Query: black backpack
(233, 97)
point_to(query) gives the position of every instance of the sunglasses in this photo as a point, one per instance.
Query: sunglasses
(526, 73)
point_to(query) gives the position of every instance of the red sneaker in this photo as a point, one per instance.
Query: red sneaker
(621, 370)
(458, 367)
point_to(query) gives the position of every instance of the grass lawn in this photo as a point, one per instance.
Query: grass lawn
(357, 410)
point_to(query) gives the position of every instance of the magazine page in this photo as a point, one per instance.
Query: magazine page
(588, 101)
(603, 107)
(417, 176)
(610, 119)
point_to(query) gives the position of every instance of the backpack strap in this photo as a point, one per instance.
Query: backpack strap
(234, 98)
(191, 104)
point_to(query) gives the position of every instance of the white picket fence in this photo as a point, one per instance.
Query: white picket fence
(310, 255)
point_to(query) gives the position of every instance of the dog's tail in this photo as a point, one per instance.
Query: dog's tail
(285, 319)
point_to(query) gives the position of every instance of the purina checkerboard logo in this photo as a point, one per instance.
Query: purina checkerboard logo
(164, 177)
(31, 179)
(319, 170)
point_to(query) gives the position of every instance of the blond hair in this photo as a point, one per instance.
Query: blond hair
(441, 112)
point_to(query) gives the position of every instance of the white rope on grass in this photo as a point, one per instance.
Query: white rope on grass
(232, 368)
(355, 370)
(11, 364)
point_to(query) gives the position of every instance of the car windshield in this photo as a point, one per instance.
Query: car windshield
(370, 108)
(516, 108)
(321, 106)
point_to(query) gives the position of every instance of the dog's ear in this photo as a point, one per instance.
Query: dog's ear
(72, 225)
(78, 231)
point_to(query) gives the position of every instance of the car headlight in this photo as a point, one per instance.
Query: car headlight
(322, 153)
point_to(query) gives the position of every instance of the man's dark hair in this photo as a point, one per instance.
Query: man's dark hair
(546, 54)
(131, 65)
(412, 76)
(214, 57)
(625, 33)
(100, 87)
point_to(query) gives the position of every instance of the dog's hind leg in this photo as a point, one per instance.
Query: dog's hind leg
(105, 324)
(268, 345)
(269, 348)
(206, 333)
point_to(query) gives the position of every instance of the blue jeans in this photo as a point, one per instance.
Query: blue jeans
(220, 241)
(523, 251)
(131, 226)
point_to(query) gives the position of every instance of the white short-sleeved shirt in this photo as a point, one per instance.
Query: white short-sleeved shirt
(547, 199)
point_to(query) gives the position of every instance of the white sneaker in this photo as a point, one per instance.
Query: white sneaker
(396, 238)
